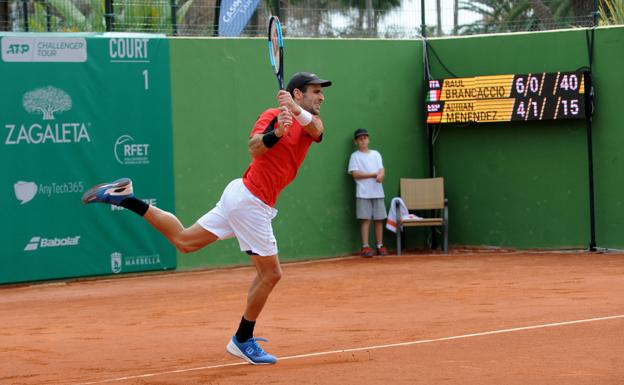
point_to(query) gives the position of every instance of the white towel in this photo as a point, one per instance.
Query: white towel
(405, 215)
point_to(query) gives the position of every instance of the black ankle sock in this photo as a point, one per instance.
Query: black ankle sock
(134, 204)
(245, 330)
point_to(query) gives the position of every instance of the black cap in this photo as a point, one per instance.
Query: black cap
(359, 132)
(300, 79)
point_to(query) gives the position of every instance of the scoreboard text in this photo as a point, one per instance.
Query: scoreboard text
(504, 98)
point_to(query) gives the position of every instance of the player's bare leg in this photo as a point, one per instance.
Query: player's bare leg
(184, 239)
(243, 344)
(269, 272)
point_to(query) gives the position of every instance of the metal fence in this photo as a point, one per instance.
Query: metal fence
(312, 18)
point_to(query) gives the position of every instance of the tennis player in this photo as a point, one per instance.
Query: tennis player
(279, 141)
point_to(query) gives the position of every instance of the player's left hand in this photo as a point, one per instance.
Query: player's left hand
(284, 98)
(284, 120)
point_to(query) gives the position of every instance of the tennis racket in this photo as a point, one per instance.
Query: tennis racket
(276, 50)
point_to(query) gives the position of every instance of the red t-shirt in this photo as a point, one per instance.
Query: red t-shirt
(269, 173)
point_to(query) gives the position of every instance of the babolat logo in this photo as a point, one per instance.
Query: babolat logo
(49, 102)
(40, 242)
(127, 151)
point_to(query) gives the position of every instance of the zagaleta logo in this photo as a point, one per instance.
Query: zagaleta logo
(48, 102)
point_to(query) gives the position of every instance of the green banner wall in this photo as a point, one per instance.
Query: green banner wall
(79, 109)
(521, 185)
(219, 88)
(525, 184)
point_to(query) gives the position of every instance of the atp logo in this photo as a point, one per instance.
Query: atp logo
(25, 191)
(47, 101)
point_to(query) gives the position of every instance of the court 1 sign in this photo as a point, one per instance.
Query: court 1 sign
(81, 109)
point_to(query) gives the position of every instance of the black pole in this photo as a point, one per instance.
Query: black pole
(25, 9)
(174, 17)
(590, 153)
(276, 8)
(590, 162)
(589, 110)
(216, 18)
(423, 26)
(48, 16)
(423, 31)
(108, 15)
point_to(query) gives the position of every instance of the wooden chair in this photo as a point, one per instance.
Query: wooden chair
(423, 195)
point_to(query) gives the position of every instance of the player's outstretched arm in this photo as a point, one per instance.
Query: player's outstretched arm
(261, 143)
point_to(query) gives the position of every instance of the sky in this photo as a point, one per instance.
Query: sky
(409, 15)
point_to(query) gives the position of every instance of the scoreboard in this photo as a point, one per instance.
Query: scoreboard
(505, 98)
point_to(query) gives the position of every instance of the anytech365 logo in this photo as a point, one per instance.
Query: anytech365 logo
(40, 242)
(48, 102)
(26, 191)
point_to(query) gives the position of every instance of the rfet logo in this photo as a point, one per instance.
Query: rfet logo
(127, 151)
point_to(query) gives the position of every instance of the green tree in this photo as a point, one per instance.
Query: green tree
(526, 15)
(130, 15)
(611, 12)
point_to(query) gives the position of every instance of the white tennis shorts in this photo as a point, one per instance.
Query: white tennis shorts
(241, 214)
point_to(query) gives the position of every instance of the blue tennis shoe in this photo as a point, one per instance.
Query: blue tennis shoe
(250, 351)
(112, 193)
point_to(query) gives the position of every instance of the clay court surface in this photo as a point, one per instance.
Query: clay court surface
(469, 318)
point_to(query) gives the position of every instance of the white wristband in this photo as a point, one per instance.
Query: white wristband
(304, 118)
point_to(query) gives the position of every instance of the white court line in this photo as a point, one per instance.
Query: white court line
(363, 349)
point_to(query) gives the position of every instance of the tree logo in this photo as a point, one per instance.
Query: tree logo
(47, 101)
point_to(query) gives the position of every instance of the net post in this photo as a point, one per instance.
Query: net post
(108, 15)
(174, 17)
(25, 10)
